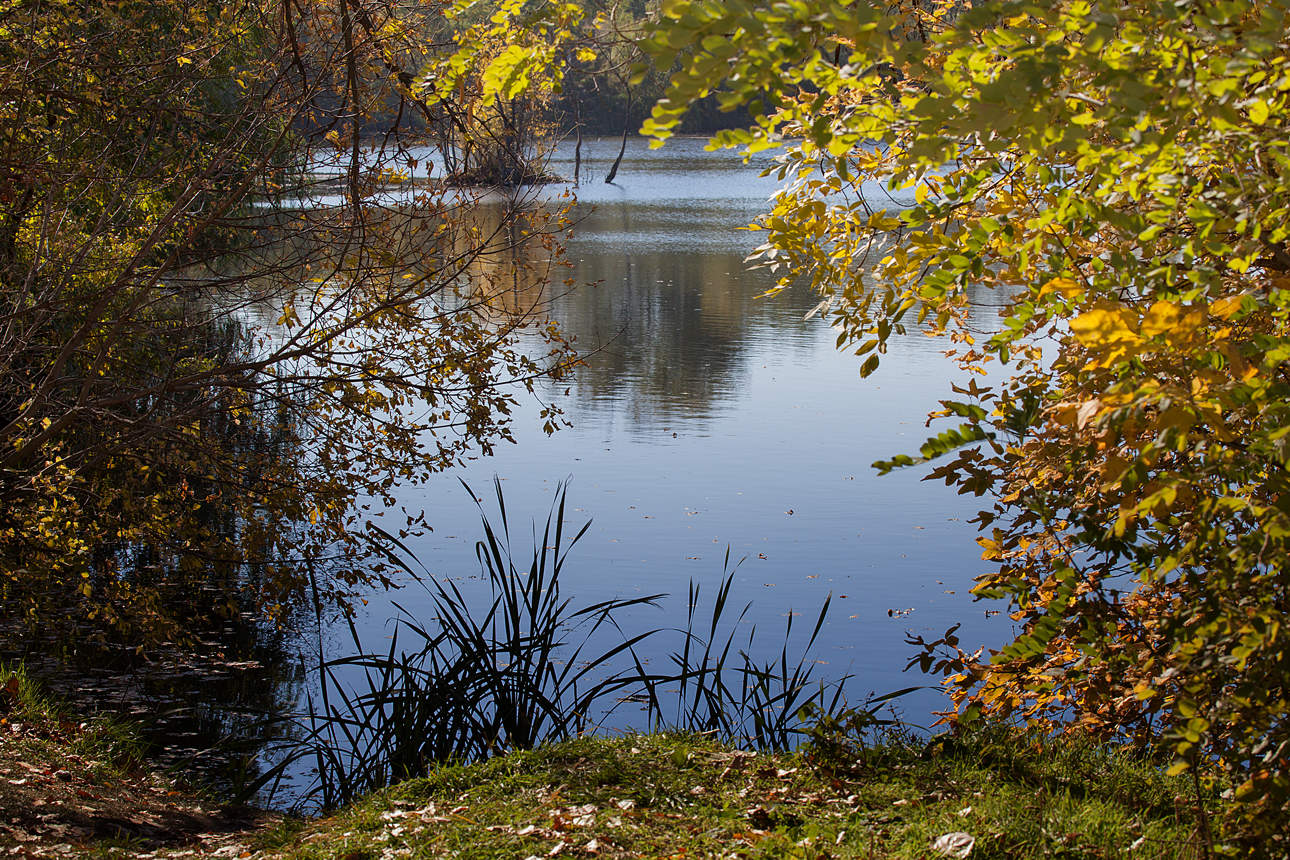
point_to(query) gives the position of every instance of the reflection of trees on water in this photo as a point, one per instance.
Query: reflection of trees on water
(670, 332)
(229, 516)
(663, 333)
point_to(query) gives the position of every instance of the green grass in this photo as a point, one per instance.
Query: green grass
(686, 795)
(37, 728)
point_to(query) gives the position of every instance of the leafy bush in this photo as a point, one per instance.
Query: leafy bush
(1114, 177)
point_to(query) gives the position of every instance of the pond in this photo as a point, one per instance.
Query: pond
(709, 418)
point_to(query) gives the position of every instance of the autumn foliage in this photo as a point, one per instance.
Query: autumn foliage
(1116, 176)
(233, 313)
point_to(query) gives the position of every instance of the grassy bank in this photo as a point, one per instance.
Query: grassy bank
(69, 788)
(677, 796)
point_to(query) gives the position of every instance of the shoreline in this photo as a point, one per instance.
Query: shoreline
(84, 789)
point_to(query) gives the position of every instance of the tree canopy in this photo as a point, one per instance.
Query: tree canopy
(1115, 175)
(231, 317)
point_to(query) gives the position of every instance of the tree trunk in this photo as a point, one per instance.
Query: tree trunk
(577, 148)
(613, 171)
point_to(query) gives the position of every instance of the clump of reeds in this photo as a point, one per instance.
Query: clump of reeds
(741, 700)
(516, 673)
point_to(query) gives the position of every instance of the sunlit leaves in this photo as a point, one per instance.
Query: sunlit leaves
(937, 446)
(1117, 177)
(222, 345)
(507, 74)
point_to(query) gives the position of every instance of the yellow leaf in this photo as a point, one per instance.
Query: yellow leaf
(1161, 318)
(508, 74)
(1066, 286)
(1105, 325)
(1112, 470)
(1226, 307)
(1086, 412)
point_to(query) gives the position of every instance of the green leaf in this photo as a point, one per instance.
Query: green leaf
(507, 76)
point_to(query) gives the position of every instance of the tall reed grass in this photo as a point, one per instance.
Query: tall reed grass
(527, 667)
(757, 704)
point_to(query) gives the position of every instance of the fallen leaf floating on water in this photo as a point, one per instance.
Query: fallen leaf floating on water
(954, 844)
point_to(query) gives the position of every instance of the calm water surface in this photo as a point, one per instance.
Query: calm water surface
(708, 418)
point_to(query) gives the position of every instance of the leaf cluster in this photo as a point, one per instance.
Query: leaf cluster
(1115, 178)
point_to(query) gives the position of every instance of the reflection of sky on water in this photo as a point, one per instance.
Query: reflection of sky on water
(708, 417)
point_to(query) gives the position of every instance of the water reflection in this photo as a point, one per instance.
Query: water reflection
(674, 315)
(707, 417)
(666, 333)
